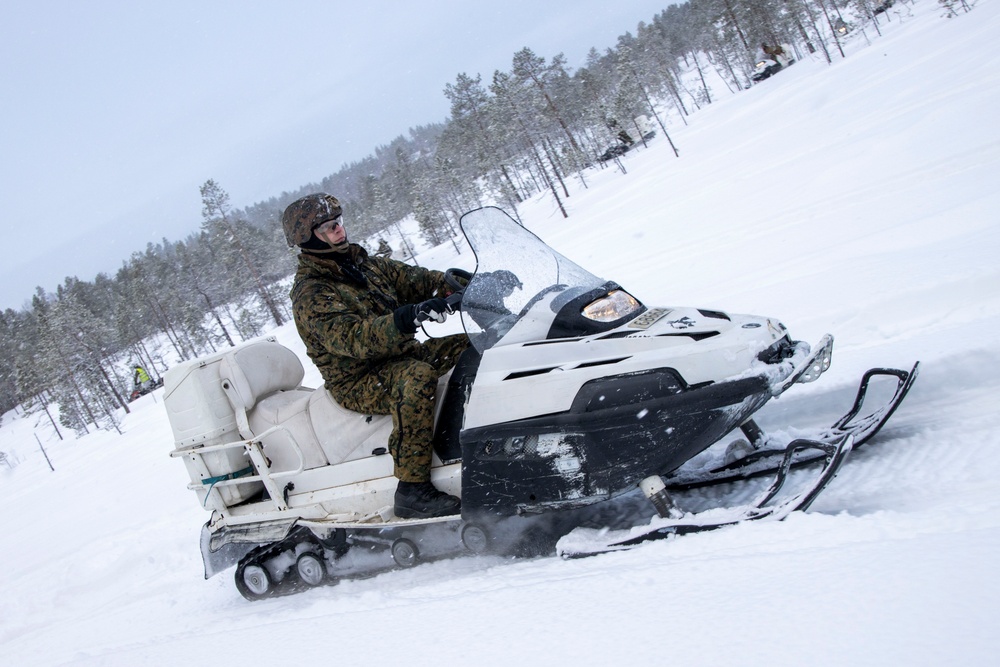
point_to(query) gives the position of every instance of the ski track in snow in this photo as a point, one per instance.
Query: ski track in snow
(858, 198)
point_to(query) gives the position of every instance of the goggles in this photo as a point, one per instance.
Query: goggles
(329, 225)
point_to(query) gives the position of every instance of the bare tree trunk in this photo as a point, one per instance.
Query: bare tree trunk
(406, 244)
(215, 315)
(555, 112)
(114, 390)
(833, 30)
(45, 406)
(819, 36)
(167, 325)
(44, 453)
(503, 170)
(548, 181)
(652, 108)
(672, 87)
(805, 36)
(555, 167)
(83, 402)
(111, 418)
(871, 15)
(701, 74)
(264, 294)
(736, 24)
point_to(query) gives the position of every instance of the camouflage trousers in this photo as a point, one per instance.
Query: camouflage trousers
(405, 389)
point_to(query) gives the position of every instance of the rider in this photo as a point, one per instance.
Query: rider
(141, 379)
(384, 249)
(357, 316)
(773, 52)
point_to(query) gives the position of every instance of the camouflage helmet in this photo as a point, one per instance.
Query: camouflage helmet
(302, 215)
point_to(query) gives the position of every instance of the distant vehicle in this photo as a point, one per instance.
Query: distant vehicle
(883, 6)
(617, 150)
(644, 127)
(767, 65)
(640, 126)
(143, 390)
(765, 69)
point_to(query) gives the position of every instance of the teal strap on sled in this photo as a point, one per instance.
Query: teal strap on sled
(212, 481)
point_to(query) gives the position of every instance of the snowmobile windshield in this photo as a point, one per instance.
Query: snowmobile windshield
(520, 283)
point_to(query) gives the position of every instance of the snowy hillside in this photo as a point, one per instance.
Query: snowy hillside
(858, 199)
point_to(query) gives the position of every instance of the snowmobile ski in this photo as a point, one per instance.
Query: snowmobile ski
(768, 455)
(584, 542)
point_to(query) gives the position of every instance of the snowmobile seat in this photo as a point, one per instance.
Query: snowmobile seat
(343, 434)
(289, 409)
(262, 383)
(346, 435)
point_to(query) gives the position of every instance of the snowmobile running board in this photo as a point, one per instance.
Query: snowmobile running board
(769, 455)
(589, 542)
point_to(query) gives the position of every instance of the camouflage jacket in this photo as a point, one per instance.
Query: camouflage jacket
(347, 327)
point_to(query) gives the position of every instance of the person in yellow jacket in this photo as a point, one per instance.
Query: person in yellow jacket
(141, 379)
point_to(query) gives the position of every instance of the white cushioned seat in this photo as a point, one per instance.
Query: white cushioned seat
(346, 435)
(343, 434)
(257, 370)
(262, 382)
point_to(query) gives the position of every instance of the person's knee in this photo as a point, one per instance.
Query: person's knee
(417, 381)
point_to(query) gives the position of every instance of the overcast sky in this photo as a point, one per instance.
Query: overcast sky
(112, 114)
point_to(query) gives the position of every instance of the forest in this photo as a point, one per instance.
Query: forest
(520, 132)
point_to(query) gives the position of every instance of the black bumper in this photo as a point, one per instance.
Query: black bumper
(618, 431)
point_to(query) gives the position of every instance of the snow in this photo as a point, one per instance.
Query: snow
(858, 199)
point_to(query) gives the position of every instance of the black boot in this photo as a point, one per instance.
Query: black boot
(420, 500)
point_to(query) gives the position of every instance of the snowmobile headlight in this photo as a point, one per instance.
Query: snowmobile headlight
(614, 306)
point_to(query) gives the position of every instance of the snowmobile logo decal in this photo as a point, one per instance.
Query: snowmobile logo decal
(683, 323)
(647, 319)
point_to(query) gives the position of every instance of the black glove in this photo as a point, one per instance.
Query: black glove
(407, 318)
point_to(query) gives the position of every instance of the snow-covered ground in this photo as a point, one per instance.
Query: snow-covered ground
(859, 199)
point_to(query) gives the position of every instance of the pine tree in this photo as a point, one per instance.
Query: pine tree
(529, 67)
(217, 222)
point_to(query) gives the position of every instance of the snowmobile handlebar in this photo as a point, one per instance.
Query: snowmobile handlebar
(457, 280)
(454, 301)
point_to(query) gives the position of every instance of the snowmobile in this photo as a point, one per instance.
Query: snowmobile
(146, 388)
(615, 150)
(766, 66)
(572, 393)
(640, 127)
(883, 7)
